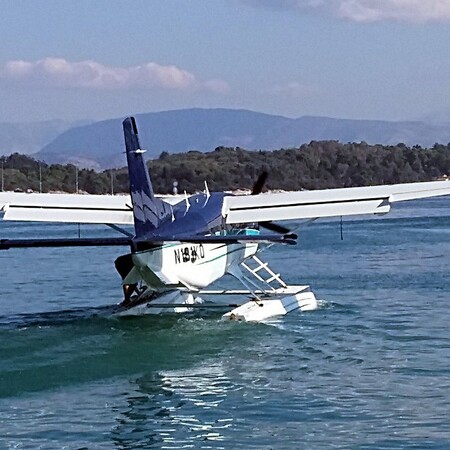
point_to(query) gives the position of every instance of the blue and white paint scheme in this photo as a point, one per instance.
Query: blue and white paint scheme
(181, 245)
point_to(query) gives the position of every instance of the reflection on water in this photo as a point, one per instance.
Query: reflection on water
(176, 409)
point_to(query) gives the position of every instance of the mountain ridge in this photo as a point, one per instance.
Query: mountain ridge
(99, 144)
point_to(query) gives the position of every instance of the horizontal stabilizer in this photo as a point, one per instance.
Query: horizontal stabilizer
(6, 244)
(225, 239)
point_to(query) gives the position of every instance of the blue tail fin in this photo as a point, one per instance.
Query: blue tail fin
(148, 210)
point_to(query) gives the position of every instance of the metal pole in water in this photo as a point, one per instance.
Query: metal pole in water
(40, 178)
(3, 181)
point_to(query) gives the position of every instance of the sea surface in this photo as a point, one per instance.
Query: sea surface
(369, 369)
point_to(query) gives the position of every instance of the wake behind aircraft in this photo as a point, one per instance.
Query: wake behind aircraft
(179, 248)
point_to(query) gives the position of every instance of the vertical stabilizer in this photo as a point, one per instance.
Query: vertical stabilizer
(148, 210)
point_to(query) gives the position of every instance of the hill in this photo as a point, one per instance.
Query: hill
(100, 145)
(324, 164)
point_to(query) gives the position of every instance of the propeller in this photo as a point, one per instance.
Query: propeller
(259, 183)
(268, 225)
(275, 227)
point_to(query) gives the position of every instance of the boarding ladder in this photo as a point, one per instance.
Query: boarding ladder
(260, 270)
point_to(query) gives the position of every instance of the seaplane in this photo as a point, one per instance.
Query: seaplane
(179, 247)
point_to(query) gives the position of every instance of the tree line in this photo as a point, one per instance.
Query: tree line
(317, 165)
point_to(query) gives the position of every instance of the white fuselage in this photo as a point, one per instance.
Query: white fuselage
(189, 266)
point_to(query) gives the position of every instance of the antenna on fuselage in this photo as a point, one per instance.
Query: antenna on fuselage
(188, 205)
(207, 193)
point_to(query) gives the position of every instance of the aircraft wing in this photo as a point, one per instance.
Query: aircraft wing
(72, 208)
(69, 208)
(66, 208)
(326, 202)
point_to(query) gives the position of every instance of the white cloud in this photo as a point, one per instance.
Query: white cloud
(416, 11)
(93, 75)
(398, 10)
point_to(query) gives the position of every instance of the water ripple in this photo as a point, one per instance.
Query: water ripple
(369, 369)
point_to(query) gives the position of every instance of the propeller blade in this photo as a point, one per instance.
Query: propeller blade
(259, 183)
(275, 227)
(257, 189)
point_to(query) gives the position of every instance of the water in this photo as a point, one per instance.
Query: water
(369, 369)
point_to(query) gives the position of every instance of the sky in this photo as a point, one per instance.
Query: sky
(98, 59)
